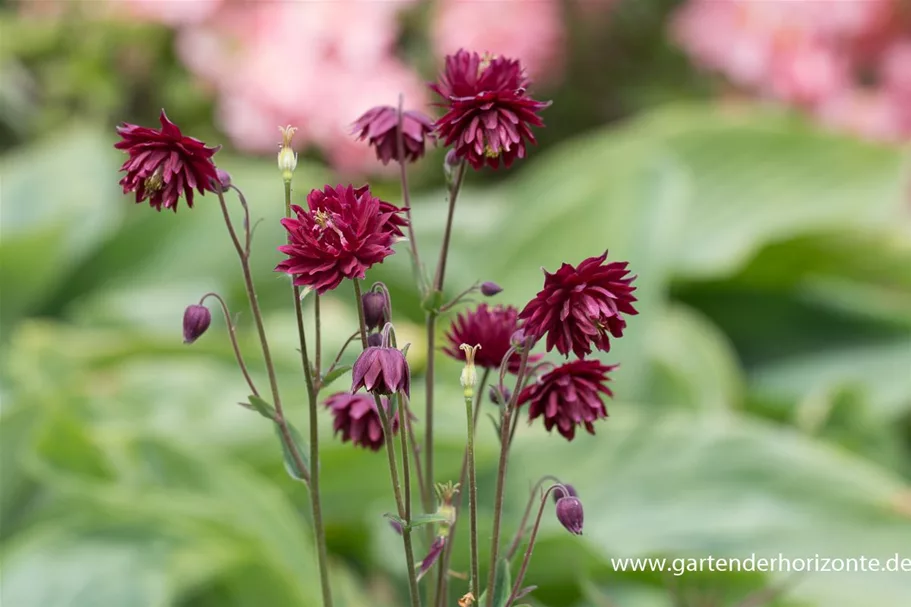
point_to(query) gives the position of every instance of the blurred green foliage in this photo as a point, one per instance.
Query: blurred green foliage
(763, 399)
(762, 402)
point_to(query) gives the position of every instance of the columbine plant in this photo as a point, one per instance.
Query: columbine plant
(343, 231)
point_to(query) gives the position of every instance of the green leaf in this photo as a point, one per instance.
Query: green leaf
(262, 407)
(334, 375)
(428, 519)
(291, 466)
(692, 485)
(503, 584)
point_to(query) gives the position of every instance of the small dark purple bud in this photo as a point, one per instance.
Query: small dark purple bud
(374, 340)
(381, 371)
(224, 178)
(489, 289)
(518, 339)
(569, 513)
(196, 320)
(396, 526)
(495, 394)
(376, 310)
(436, 549)
(559, 493)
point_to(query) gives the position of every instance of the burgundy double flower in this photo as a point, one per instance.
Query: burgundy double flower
(489, 112)
(379, 126)
(490, 327)
(356, 417)
(569, 396)
(165, 164)
(341, 234)
(583, 306)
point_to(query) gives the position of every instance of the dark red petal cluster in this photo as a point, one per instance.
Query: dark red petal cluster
(164, 164)
(356, 417)
(379, 127)
(582, 306)
(489, 112)
(343, 232)
(569, 396)
(489, 327)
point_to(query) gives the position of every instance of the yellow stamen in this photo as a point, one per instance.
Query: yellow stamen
(155, 181)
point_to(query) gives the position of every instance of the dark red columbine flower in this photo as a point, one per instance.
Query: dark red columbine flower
(343, 232)
(164, 164)
(491, 328)
(489, 113)
(569, 396)
(379, 127)
(580, 307)
(356, 417)
(381, 370)
(570, 514)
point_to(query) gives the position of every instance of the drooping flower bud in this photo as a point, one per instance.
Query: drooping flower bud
(489, 289)
(436, 549)
(375, 340)
(287, 157)
(569, 513)
(500, 396)
(381, 370)
(196, 320)
(396, 526)
(224, 178)
(376, 309)
(559, 493)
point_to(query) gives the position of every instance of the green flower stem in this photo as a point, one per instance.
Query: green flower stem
(501, 476)
(514, 545)
(244, 256)
(442, 580)
(431, 347)
(315, 503)
(232, 335)
(531, 545)
(404, 511)
(472, 497)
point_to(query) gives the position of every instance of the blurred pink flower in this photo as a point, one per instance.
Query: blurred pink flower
(529, 30)
(316, 65)
(169, 12)
(816, 55)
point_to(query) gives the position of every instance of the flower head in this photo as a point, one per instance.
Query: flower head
(490, 328)
(381, 370)
(379, 126)
(489, 113)
(582, 306)
(570, 515)
(343, 232)
(164, 164)
(356, 417)
(569, 396)
(196, 319)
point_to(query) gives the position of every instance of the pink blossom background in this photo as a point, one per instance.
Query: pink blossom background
(319, 64)
(846, 63)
